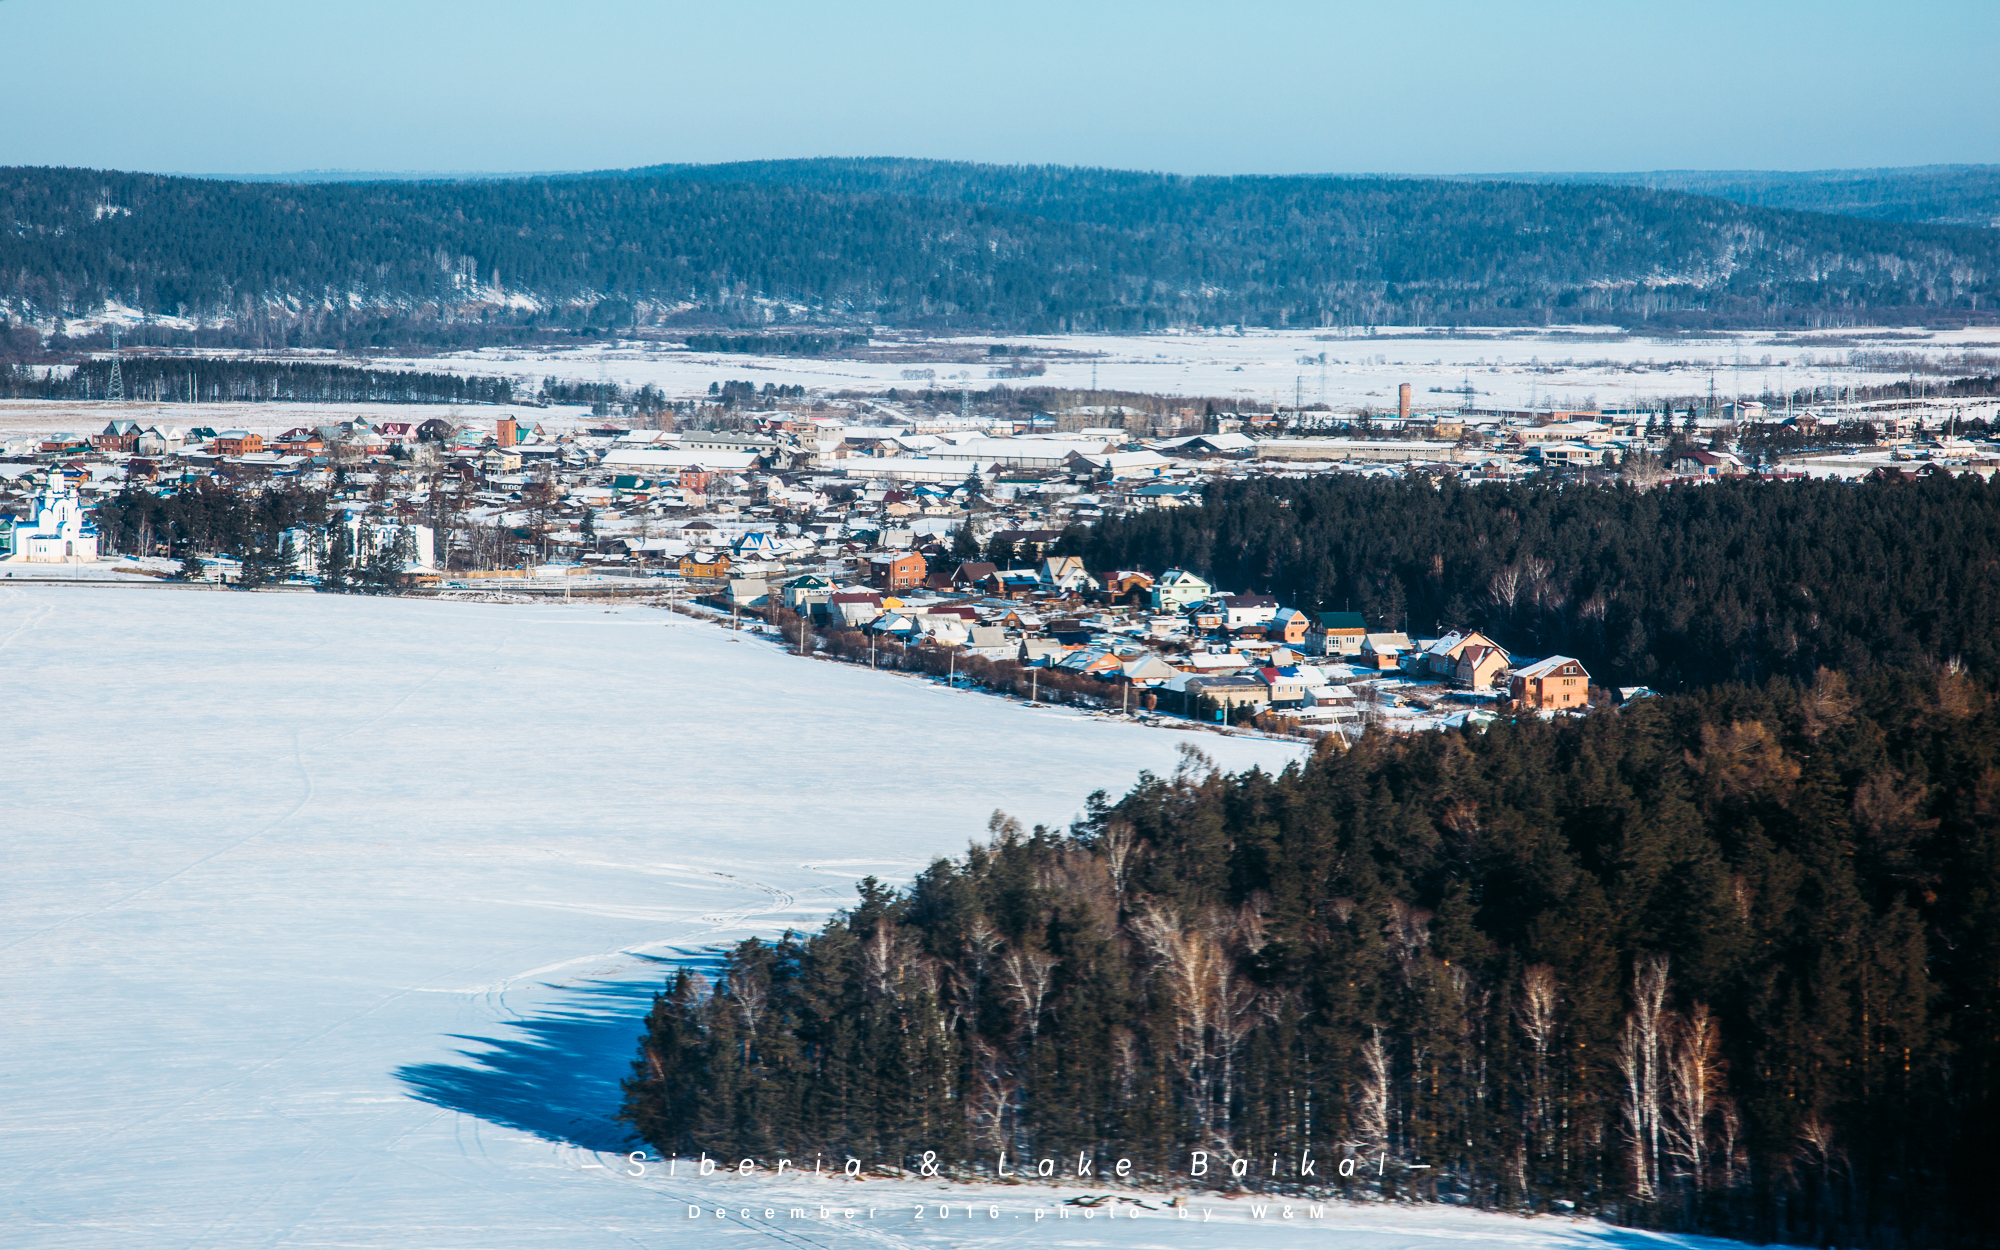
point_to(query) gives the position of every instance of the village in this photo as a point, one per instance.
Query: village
(902, 536)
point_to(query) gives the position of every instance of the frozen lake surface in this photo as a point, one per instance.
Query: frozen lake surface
(328, 921)
(282, 868)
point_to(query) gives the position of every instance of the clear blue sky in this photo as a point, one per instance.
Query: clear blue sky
(1397, 85)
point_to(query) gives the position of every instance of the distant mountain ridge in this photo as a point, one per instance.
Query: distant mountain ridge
(1965, 195)
(944, 245)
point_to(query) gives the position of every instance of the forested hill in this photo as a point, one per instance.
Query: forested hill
(962, 246)
(1687, 586)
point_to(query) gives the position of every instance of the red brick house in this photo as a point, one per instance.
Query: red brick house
(894, 571)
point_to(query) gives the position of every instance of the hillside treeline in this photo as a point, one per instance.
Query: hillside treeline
(1720, 962)
(224, 380)
(1737, 580)
(949, 246)
(1957, 194)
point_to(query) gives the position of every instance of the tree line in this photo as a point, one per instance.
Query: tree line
(255, 527)
(181, 379)
(775, 344)
(1737, 580)
(1717, 962)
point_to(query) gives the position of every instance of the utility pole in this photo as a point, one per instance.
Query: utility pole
(1032, 674)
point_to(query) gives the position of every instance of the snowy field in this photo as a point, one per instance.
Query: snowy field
(1561, 369)
(328, 921)
(1558, 368)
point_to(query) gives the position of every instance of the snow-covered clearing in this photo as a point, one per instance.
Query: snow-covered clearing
(1559, 368)
(329, 920)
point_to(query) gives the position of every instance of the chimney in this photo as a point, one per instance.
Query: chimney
(508, 427)
(1403, 401)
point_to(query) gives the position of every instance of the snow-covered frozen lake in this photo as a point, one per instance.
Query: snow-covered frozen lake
(328, 920)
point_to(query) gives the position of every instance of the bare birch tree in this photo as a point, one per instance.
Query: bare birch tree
(1641, 1054)
(1694, 1088)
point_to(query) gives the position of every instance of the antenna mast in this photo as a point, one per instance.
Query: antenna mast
(115, 390)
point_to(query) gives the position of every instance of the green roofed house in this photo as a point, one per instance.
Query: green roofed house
(1178, 590)
(1335, 633)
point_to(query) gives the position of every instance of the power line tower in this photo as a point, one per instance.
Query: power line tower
(115, 390)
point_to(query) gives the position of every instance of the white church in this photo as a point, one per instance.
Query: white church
(55, 531)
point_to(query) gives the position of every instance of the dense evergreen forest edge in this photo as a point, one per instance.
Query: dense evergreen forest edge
(1720, 962)
(936, 245)
(1725, 960)
(1742, 580)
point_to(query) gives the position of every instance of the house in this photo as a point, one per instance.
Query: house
(748, 592)
(1177, 590)
(1555, 683)
(1330, 696)
(1090, 661)
(238, 443)
(1335, 633)
(1210, 663)
(896, 570)
(1065, 573)
(299, 441)
(966, 577)
(989, 637)
(1383, 652)
(1439, 657)
(1707, 464)
(705, 562)
(118, 437)
(1042, 651)
(1148, 670)
(1241, 610)
(852, 608)
(1478, 666)
(56, 529)
(1165, 495)
(1015, 583)
(1286, 686)
(806, 592)
(157, 440)
(1289, 626)
(1213, 698)
(1128, 586)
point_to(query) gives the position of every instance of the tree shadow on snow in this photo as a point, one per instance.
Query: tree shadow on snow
(557, 1074)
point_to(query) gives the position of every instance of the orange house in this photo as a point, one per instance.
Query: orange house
(238, 443)
(1289, 627)
(1555, 683)
(705, 564)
